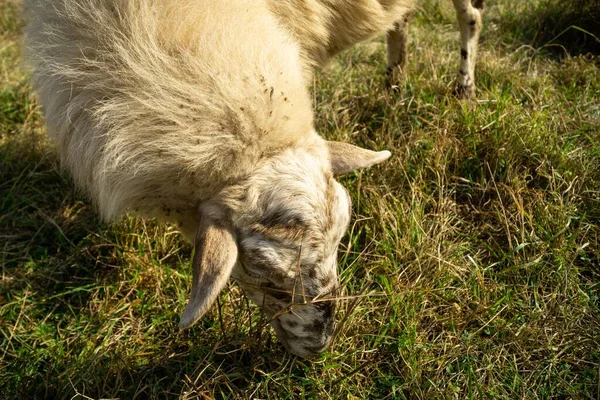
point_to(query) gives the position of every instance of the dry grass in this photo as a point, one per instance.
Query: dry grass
(476, 248)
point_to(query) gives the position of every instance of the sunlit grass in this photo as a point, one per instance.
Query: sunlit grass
(470, 270)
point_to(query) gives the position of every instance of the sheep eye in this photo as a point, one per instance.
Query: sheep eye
(248, 272)
(280, 218)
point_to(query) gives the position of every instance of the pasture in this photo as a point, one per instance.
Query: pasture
(471, 268)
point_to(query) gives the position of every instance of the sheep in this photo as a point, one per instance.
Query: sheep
(325, 27)
(197, 112)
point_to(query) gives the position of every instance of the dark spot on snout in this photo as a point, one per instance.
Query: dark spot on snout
(464, 54)
(327, 309)
(317, 326)
(323, 323)
(472, 22)
(291, 324)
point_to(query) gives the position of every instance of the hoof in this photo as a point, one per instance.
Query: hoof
(464, 92)
(394, 76)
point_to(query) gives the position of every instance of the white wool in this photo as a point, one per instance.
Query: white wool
(154, 105)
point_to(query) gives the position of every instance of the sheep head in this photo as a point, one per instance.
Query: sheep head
(277, 234)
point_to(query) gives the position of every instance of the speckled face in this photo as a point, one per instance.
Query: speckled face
(287, 262)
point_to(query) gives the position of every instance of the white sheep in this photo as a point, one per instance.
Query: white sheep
(325, 27)
(197, 112)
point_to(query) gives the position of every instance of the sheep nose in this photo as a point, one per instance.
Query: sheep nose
(315, 350)
(318, 346)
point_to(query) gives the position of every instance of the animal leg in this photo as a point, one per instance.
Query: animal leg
(397, 49)
(468, 14)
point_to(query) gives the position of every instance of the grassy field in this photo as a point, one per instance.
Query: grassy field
(476, 247)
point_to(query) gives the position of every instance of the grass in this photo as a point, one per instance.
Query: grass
(477, 245)
(554, 26)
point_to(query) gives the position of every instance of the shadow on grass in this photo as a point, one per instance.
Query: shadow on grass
(42, 216)
(559, 27)
(181, 368)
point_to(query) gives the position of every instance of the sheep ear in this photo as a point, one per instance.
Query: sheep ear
(215, 255)
(346, 158)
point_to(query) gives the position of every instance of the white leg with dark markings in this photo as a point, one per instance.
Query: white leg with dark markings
(468, 14)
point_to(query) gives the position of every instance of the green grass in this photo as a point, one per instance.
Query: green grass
(477, 245)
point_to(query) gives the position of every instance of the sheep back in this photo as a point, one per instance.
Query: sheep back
(325, 27)
(156, 105)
